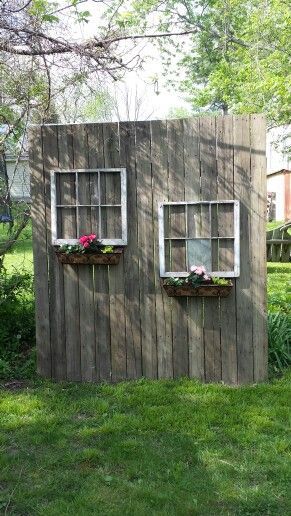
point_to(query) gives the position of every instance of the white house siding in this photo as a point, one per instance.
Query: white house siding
(18, 177)
(278, 143)
(275, 183)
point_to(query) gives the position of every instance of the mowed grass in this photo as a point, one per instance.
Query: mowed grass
(146, 447)
(20, 257)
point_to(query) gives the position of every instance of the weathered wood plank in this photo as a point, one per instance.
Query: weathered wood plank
(38, 215)
(225, 228)
(101, 280)
(242, 191)
(159, 159)
(177, 193)
(56, 290)
(211, 331)
(85, 274)
(116, 272)
(258, 245)
(71, 290)
(146, 249)
(193, 193)
(131, 283)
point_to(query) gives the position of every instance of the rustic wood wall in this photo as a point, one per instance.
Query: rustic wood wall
(97, 323)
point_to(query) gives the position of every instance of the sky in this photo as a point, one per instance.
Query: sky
(139, 84)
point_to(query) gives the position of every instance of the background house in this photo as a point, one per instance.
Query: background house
(279, 173)
(18, 177)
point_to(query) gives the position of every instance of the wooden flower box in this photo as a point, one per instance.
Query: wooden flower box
(200, 291)
(92, 258)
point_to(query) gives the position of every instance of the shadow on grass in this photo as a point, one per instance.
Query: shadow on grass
(167, 447)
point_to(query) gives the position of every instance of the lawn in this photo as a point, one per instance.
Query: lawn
(146, 447)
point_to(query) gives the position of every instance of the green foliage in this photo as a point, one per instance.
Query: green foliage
(220, 281)
(174, 282)
(71, 248)
(107, 249)
(279, 339)
(17, 326)
(237, 59)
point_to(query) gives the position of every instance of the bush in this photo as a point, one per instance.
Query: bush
(17, 327)
(279, 337)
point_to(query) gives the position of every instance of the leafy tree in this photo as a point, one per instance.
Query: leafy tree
(235, 58)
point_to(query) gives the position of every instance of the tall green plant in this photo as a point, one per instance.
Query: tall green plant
(279, 339)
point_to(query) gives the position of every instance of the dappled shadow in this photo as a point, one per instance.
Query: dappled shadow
(139, 447)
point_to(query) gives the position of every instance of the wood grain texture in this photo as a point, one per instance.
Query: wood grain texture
(177, 193)
(101, 279)
(242, 191)
(211, 332)
(258, 245)
(193, 193)
(85, 274)
(225, 180)
(99, 322)
(116, 273)
(146, 249)
(159, 159)
(131, 276)
(40, 259)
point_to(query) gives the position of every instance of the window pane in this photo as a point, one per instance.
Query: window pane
(225, 255)
(66, 188)
(226, 220)
(198, 220)
(110, 188)
(111, 223)
(88, 221)
(87, 184)
(66, 223)
(199, 253)
(177, 222)
(175, 255)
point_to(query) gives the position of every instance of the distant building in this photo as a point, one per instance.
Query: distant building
(18, 177)
(279, 173)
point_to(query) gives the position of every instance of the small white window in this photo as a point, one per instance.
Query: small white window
(199, 233)
(89, 201)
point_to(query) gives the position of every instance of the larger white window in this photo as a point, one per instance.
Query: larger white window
(199, 233)
(89, 201)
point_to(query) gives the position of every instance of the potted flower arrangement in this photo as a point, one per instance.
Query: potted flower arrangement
(90, 251)
(198, 283)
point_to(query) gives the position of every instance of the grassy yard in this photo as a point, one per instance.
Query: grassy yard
(146, 447)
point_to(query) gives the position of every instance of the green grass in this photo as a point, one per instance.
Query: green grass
(21, 255)
(146, 447)
(279, 287)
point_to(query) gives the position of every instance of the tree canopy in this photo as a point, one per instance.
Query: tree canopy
(236, 57)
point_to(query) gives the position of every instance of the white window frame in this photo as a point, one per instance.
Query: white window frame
(236, 238)
(123, 205)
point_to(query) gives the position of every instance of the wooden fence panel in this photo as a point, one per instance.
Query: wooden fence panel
(115, 322)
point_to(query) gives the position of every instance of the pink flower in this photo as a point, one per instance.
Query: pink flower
(86, 244)
(206, 277)
(199, 270)
(92, 237)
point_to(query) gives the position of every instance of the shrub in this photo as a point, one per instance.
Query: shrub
(279, 337)
(17, 327)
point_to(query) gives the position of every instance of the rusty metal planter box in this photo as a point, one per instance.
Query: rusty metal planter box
(91, 258)
(200, 291)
